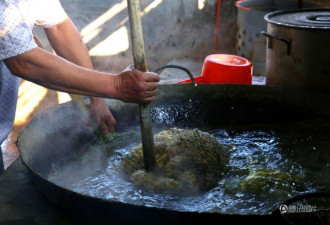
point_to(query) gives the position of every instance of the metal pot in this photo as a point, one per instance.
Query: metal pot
(250, 14)
(298, 53)
(57, 133)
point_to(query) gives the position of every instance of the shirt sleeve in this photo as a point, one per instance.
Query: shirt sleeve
(16, 35)
(50, 13)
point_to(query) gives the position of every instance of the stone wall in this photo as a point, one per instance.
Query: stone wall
(172, 30)
(177, 31)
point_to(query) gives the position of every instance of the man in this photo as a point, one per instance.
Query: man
(70, 70)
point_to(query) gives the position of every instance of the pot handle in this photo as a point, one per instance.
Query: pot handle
(270, 38)
(176, 67)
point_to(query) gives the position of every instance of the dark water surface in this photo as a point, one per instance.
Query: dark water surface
(267, 165)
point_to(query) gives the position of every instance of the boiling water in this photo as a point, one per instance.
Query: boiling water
(266, 167)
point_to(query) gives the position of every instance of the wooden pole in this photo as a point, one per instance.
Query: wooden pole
(139, 63)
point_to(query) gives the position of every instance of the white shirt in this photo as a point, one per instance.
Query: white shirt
(17, 19)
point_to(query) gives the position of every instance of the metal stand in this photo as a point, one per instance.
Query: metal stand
(2, 167)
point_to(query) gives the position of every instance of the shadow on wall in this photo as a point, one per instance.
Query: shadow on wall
(181, 29)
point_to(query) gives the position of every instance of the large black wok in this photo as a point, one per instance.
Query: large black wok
(57, 132)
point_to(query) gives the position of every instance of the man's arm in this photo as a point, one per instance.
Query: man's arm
(67, 43)
(48, 70)
(54, 72)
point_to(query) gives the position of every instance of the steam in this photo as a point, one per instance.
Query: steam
(85, 153)
(73, 160)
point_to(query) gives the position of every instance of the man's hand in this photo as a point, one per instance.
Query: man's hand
(132, 85)
(102, 115)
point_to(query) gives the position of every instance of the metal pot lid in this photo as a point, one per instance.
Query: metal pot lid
(303, 18)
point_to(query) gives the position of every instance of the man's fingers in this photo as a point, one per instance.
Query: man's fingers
(151, 77)
(110, 122)
(136, 86)
(107, 126)
(147, 76)
(150, 94)
(150, 86)
(104, 129)
(148, 99)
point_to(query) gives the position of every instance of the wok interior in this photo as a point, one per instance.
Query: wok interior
(56, 132)
(59, 131)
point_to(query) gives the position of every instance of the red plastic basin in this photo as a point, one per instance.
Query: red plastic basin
(223, 68)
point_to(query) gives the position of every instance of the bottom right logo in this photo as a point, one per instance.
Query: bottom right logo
(297, 208)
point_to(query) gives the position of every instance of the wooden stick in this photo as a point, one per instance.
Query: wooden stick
(139, 63)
